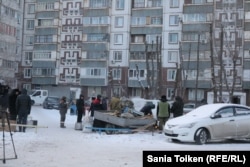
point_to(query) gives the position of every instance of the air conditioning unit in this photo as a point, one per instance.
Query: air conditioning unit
(203, 41)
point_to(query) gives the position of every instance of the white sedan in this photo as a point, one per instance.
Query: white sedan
(210, 122)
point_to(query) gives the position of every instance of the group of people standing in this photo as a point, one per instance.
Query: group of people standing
(164, 110)
(98, 103)
(17, 105)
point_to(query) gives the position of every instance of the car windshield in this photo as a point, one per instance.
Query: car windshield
(54, 99)
(188, 105)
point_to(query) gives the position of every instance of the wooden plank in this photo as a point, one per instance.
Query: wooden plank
(144, 128)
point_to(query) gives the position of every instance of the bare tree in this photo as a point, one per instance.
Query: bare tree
(214, 87)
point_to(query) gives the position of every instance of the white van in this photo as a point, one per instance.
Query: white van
(38, 96)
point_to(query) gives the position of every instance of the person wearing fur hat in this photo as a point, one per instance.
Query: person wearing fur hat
(163, 111)
(63, 107)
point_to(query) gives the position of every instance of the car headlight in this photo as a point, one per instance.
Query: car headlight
(190, 125)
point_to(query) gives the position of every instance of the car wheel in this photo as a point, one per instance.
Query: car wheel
(201, 136)
(109, 131)
(32, 102)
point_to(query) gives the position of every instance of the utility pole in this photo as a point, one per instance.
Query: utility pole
(221, 63)
(197, 69)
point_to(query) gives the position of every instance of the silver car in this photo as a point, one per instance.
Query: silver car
(210, 122)
(188, 107)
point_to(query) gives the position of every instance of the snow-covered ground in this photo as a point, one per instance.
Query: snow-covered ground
(52, 146)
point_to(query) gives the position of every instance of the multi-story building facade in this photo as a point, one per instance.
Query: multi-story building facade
(138, 48)
(10, 40)
(213, 51)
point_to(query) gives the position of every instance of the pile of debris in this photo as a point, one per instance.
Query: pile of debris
(124, 107)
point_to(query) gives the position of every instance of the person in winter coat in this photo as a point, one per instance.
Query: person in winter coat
(147, 109)
(63, 107)
(12, 103)
(96, 104)
(177, 107)
(80, 108)
(23, 107)
(163, 111)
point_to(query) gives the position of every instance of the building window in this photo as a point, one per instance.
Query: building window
(96, 72)
(45, 22)
(45, 6)
(171, 75)
(156, 20)
(28, 56)
(154, 3)
(116, 74)
(119, 21)
(117, 91)
(137, 39)
(31, 8)
(173, 38)
(198, 1)
(99, 3)
(30, 25)
(174, 3)
(27, 86)
(172, 56)
(118, 38)
(136, 74)
(173, 20)
(137, 56)
(96, 37)
(152, 38)
(195, 17)
(43, 38)
(42, 55)
(192, 92)
(27, 73)
(43, 72)
(117, 56)
(170, 93)
(29, 40)
(119, 4)
(139, 3)
(138, 21)
(95, 20)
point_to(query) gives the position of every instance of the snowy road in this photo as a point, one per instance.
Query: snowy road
(56, 147)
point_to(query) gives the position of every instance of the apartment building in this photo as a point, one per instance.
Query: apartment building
(215, 30)
(10, 40)
(138, 48)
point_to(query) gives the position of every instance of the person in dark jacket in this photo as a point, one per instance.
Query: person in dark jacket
(12, 104)
(177, 107)
(23, 107)
(96, 105)
(80, 108)
(163, 111)
(147, 109)
(63, 107)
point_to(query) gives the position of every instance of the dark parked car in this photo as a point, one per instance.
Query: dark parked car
(51, 102)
